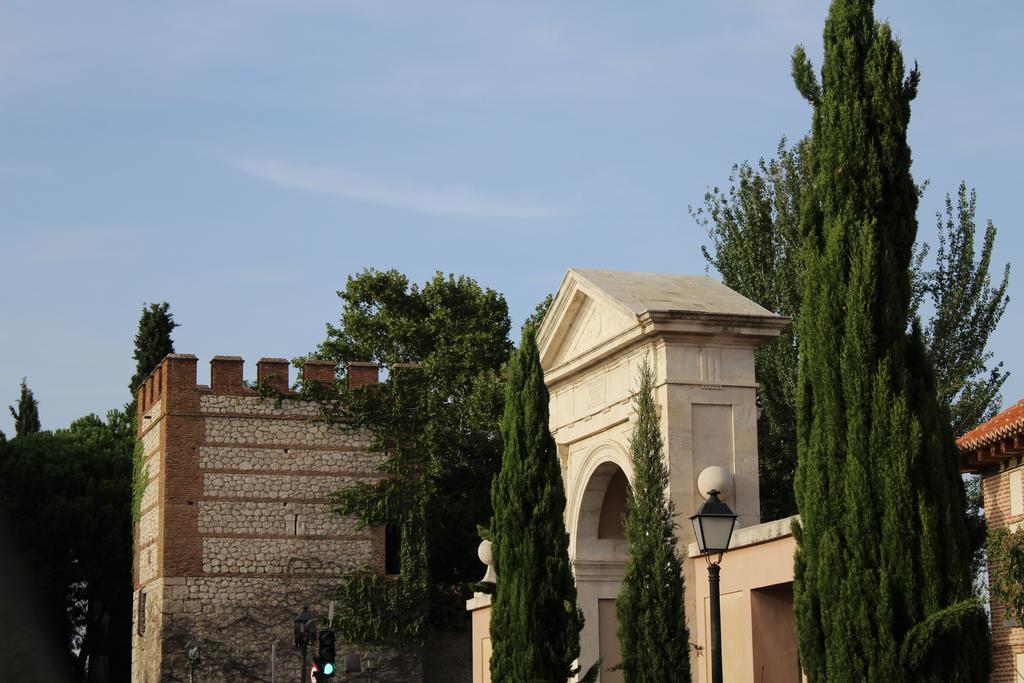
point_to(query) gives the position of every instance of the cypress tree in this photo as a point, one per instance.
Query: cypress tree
(653, 636)
(535, 624)
(883, 576)
(152, 341)
(26, 417)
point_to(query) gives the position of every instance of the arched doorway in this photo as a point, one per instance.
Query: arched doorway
(599, 559)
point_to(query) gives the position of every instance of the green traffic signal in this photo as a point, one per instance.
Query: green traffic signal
(326, 652)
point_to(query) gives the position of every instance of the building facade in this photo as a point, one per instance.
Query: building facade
(995, 450)
(699, 338)
(235, 534)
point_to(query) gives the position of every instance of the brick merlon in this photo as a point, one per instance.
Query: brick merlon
(318, 371)
(226, 374)
(362, 373)
(273, 372)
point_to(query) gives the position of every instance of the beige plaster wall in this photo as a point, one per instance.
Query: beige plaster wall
(480, 608)
(608, 634)
(773, 634)
(758, 630)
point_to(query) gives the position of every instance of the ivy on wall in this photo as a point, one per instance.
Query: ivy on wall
(371, 607)
(140, 479)
(1006, 570)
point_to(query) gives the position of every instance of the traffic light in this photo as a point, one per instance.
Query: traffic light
(325, 661)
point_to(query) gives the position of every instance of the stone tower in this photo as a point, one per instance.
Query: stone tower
(235, 534)
(699, 337)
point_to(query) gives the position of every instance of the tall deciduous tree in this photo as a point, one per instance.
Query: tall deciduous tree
(968, 307)
(755, 244)
(457, 332)
(653, 636)
(26, 417)
(535, 624)
(374, 608)
(882, 577)
(755, 240)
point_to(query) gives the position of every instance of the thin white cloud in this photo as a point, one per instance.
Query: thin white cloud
(69, 246)
(454, 200)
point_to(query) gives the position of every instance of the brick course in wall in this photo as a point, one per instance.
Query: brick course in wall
(236, 534)
(995, 450)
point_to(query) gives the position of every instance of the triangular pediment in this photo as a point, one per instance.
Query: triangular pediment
(595, 311)
(581, 318)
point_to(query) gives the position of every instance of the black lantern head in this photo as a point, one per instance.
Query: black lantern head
(303, 622)
(713, 525)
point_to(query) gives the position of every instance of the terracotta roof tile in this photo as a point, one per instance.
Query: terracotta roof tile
(1006, 424)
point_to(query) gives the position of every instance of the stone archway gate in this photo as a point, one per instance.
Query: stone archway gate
(699, 337)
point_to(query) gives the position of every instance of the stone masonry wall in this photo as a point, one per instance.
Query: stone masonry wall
(240, 623)
(236, 534)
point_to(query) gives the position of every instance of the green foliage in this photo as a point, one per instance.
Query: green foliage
(537, 317)
(390, 609)
(977, 528)
(653, 636)
(535, 624)
(69, 492)
(379, 609)
(754, 229)
(883, 552)
(967, 310)
(152, 342)
(931, 645)
(26, 417)
(755, 244)
(140, 478)
(438, 423)
(1006, 570)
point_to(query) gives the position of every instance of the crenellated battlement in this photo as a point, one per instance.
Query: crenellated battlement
(175, 378)
(235, 523)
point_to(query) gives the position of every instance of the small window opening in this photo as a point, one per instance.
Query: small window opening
(392, 549)
(140, 619)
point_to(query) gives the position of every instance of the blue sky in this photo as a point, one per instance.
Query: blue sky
(240, 159)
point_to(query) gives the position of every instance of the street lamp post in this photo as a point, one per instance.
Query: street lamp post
(192, 654)
(305, 633)
(713, 525)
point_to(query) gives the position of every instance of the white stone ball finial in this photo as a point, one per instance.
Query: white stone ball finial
(717, 478)
(485, 552)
